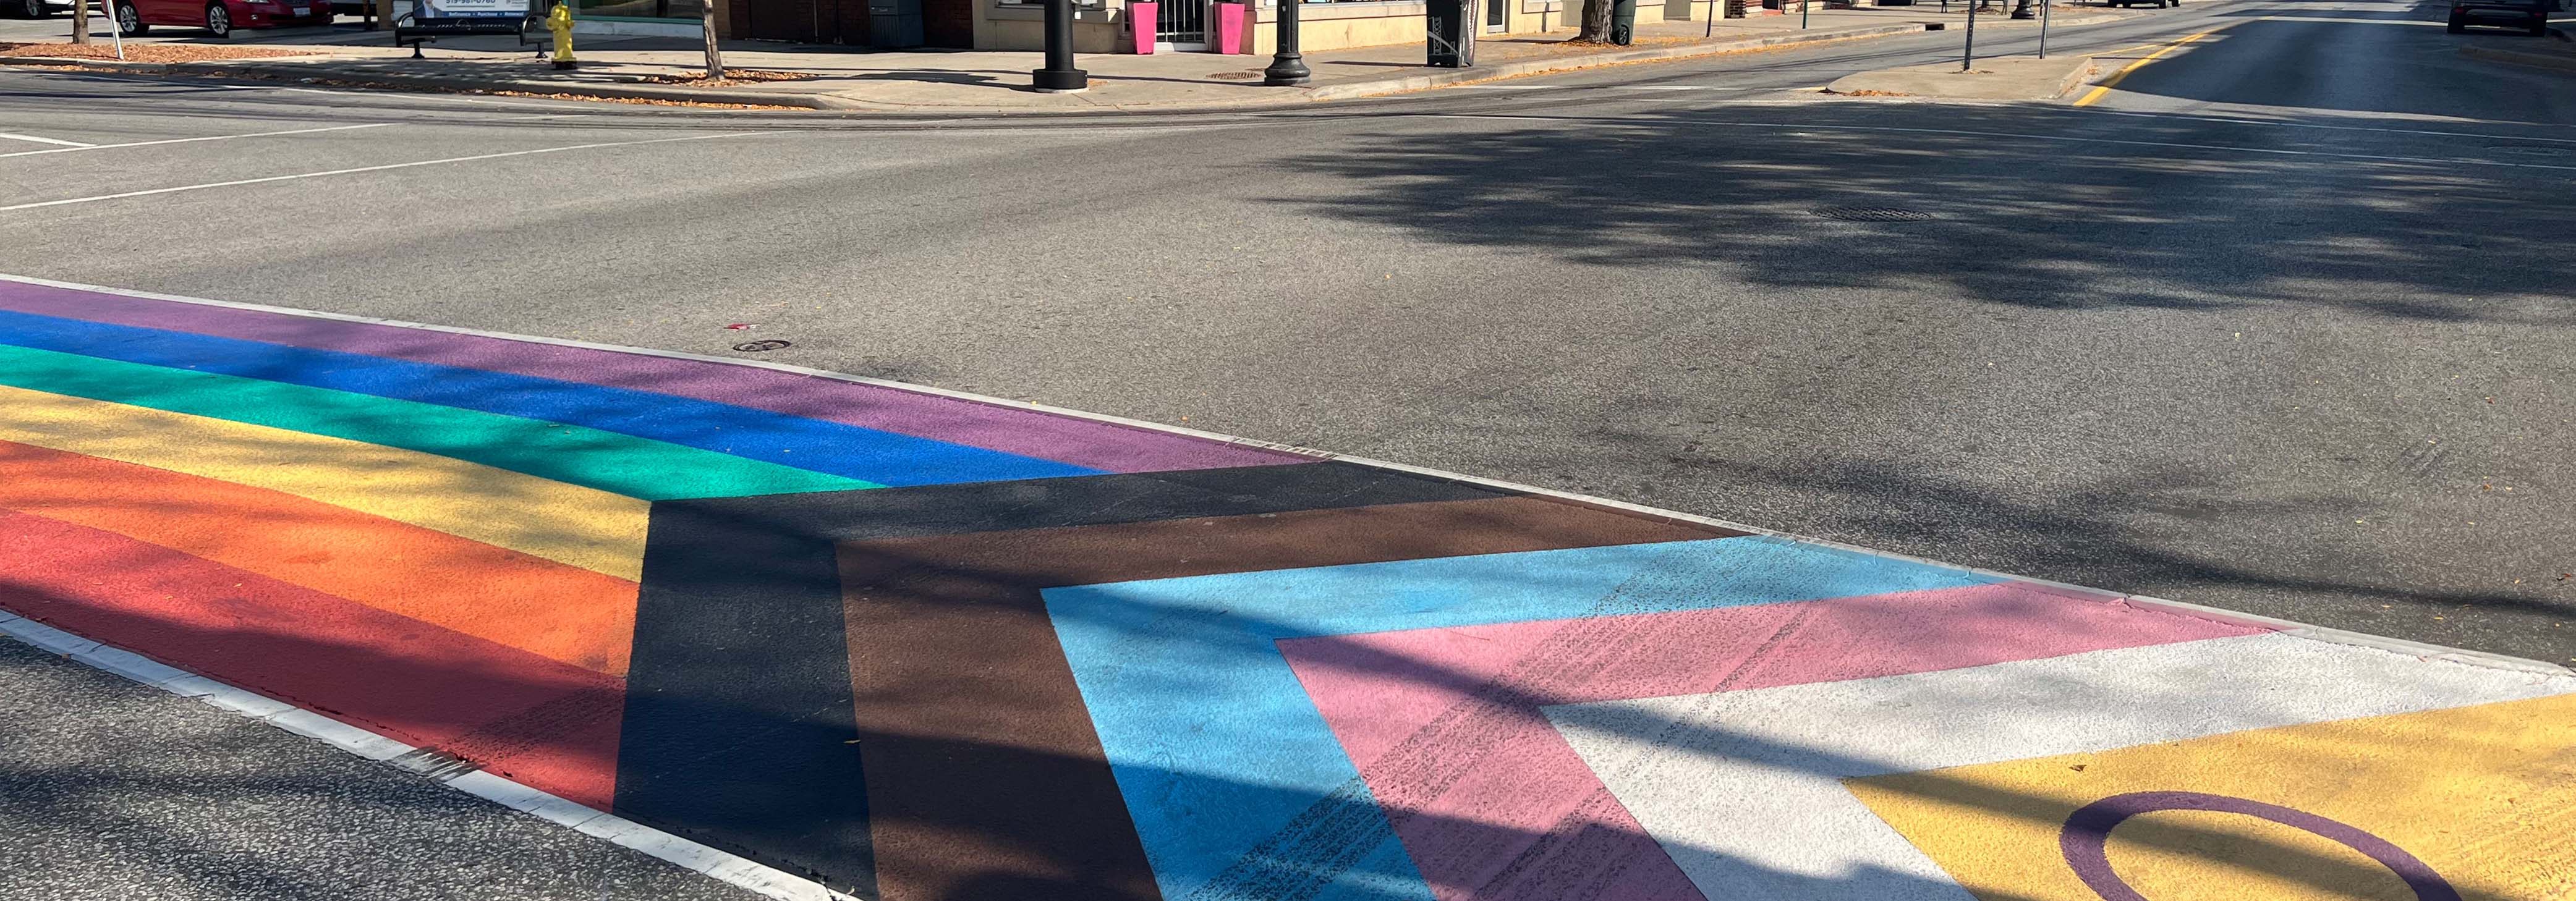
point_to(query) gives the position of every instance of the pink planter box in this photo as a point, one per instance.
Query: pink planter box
(1141, 18)
(1229, 34)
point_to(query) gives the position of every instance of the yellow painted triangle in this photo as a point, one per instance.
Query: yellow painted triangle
(2482, 796)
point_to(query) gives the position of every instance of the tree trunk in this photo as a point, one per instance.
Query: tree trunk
(1596, 21)
(80, 20)
(707, 20)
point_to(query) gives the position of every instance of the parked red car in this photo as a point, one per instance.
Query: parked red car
(134, 17)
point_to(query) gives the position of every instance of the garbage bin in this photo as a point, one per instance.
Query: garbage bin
(1623, 22)
(1451, 41)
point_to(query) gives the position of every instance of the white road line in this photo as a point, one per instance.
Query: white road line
(532, 104)
(1670, 87)
(75, 145)
(256, 134)
(712, 863)
(453, 159)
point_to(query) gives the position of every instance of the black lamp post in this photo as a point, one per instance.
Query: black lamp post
(1287, 67)
(1059, 76)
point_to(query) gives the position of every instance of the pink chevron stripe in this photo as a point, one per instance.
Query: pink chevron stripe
(1445, 725)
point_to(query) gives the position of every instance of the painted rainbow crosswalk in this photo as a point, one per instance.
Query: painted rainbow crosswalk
(911, 645)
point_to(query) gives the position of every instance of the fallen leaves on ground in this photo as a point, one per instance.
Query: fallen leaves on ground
(732, 78)
(639, 101)
(150, 53)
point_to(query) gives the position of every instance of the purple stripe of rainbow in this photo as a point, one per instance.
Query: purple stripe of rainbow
(1089, 443)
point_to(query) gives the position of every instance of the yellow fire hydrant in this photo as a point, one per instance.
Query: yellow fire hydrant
(560, 22)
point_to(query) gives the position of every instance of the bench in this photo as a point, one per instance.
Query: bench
(426, 22)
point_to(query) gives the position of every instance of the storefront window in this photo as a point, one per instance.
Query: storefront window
(641, 9)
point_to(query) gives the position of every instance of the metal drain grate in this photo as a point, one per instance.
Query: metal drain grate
(1235, 76)
(1873, 214)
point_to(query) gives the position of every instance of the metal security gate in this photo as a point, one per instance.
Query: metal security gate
(1181, 25)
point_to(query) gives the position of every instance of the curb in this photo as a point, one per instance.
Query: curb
(2082, 76)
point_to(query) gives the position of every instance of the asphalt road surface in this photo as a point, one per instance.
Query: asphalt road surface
(2281, 324)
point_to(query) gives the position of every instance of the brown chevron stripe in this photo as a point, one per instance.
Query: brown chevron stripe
(985, 780)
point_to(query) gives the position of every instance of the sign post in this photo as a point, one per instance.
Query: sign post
(1968, 56)
(2043, 27)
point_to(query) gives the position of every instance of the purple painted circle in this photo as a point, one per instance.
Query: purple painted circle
(2089, 829)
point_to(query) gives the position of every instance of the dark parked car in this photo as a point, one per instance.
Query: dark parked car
(2529, 15)
(34, 9)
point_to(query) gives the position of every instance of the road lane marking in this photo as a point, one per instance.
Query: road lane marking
(454, 159)
(256, 134)
(74, 145)
(2108, 83)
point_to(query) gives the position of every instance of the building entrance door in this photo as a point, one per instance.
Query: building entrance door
(1182, 25)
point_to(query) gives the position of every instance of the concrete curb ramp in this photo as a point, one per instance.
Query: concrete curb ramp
(811, 633)
(1997, 78)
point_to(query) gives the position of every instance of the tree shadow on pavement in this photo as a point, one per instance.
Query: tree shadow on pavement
(1989, 333)
(2024, 206)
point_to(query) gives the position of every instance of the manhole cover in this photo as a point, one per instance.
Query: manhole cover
(1873, 214)
(1236, 76)
(758, 346)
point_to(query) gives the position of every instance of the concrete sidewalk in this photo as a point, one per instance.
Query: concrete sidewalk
(663, 69)
(1994, 78)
